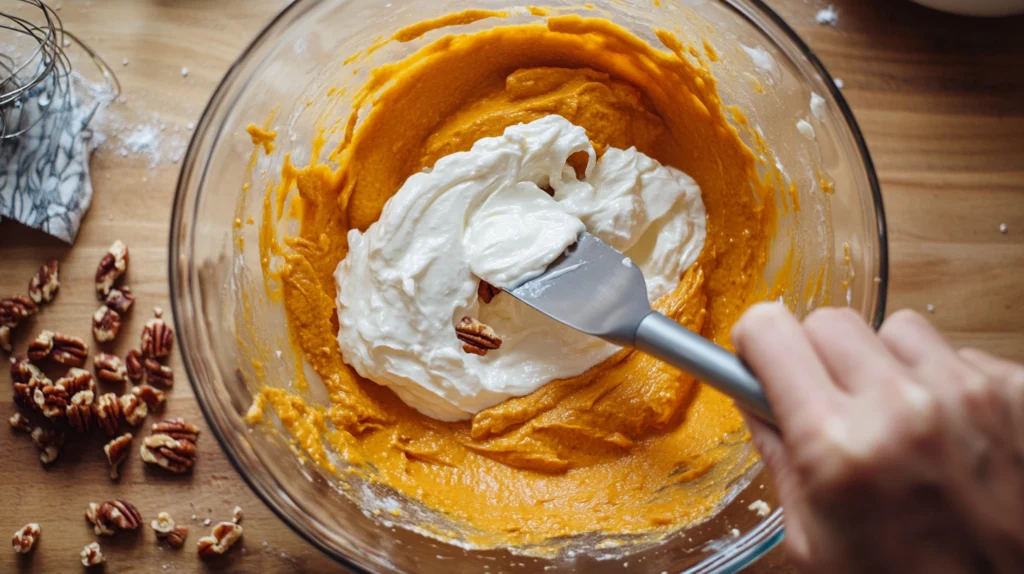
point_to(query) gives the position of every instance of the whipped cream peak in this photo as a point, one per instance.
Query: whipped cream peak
(483, 214)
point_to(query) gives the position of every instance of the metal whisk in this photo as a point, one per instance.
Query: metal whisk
(43, 76)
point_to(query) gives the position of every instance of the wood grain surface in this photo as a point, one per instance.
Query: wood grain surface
(940, 99)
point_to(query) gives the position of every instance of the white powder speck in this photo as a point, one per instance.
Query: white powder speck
(184, 72)
(193, 517)
(735, 532)
(627, 262)
(124, 62)
(805, 129)
(67, 43)
(760, 507)
(827, 17)
(191, 126)
(931, 308)
(278, 353)
(840, 83)
(818, 106)
(143, 140)
(206, 522)
(1003, 228)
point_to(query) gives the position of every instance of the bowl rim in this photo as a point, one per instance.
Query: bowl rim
(743, 556)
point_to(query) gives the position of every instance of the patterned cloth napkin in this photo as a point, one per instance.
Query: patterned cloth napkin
(44, 173)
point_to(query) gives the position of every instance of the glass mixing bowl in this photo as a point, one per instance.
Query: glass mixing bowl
(224, 316)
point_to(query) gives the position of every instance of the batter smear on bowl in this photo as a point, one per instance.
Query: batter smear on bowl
(616, 443)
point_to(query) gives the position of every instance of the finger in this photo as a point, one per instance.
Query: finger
(993, 366)
(922, 350)
(1008, 378)
(851, 352)
(772, 343)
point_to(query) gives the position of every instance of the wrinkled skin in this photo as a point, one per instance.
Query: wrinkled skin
(896, 453)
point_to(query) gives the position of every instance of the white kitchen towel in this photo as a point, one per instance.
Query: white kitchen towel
(44, 173)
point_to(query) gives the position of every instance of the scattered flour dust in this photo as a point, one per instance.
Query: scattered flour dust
(149, 138)
(127, 126)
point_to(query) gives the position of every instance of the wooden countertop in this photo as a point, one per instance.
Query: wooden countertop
(940, 99)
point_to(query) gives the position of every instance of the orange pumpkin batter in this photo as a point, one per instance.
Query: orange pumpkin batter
(632, 446)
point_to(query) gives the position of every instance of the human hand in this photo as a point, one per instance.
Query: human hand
(895, 453)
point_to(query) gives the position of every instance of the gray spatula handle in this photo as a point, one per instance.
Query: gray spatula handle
(669, 341)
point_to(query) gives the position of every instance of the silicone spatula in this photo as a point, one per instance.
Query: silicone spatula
(595, 289)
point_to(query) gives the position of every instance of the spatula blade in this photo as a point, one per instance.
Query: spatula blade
(593, 288)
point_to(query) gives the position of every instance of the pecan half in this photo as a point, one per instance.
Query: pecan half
(176, 538)
(163, 524)
(22, 370)
(14, 310)
(117, 451)
(108, 413)
(112, 267)
(52, 401)
(177, 429)
(69, 351)
(25, 538)
(154, 398)
(40, 347)
(133, 363)
(5, 339)
(158, 374)
(76, 381)
(20, 422)
(157, 338)
(134, 409)
(476, 337)
(120, 300)
(25, 395)
(106, 323)
(113, 516)
(92, 555)
(223, 536)
(48, 443)
(45, 283)
(177, 456)
(487, 292)
(109, 368)
(169, 532)
(80, 411)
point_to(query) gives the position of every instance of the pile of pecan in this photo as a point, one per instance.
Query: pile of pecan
(74, 402)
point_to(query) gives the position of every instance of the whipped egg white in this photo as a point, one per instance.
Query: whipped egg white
(484, 215)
